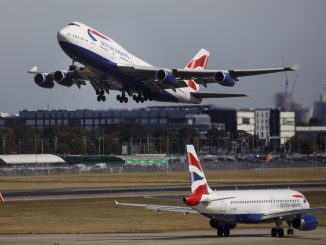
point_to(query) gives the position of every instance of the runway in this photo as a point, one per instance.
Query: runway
(143, 191)
(238, 236)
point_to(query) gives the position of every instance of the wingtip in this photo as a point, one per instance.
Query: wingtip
(295, 67)
(33, 70)
(116, 203)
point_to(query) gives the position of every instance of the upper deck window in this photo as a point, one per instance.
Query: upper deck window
(73, 24)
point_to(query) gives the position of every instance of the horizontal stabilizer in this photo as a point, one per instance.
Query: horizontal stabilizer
(215, 95)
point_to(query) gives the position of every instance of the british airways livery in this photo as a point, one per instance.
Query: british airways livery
(226, 209)
(108, 66)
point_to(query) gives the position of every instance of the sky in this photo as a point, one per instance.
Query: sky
(238, 34)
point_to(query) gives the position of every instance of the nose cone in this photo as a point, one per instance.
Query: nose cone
(62, 35)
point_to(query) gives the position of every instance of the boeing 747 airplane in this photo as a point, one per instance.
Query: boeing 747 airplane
(226, 209)
(108, 66)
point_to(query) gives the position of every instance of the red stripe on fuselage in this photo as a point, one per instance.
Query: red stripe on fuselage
(98, 34)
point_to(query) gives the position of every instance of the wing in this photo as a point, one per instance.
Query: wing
(77, 77)
(157, 208)
(203, 77)
(215, 95)
(292, 213)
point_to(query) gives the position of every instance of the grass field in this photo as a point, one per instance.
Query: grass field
(155, 179)
(100, 216)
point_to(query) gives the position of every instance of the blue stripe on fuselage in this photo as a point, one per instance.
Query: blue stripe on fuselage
(236, 218)
(97, 62)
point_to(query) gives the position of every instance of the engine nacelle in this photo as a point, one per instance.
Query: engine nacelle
(214, 224)
(165, 77)
(61, 77)
(44, 80)
(192, 200)
(224, 79)
(306, 223)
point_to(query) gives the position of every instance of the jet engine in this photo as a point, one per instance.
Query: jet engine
(44, 80)
(61, 77)
(165, 77)
(306, 223)
(224, 79)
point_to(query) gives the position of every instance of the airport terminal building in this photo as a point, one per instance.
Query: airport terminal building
(267, 124)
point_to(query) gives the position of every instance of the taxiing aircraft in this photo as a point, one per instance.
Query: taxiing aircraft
(226, 209)
(108, 66)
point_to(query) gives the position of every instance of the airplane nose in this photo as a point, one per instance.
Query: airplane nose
(61, 35)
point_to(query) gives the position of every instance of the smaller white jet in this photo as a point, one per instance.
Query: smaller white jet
(226, 209)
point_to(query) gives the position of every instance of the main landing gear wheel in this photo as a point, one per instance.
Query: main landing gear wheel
(290, 232)
(100, 93)
(122, 99)
(223, 232)
(277, 232)
(139, 98)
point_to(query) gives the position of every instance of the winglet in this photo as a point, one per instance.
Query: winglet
(116, 203)
(33, 70)
(295, 67)
(1, 198)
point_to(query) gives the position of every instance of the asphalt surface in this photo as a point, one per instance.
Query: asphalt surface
(238, 236)
(143, 191)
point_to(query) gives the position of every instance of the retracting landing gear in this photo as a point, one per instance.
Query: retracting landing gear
(139, 98)
(100, 95)
(278, 231)
(122, 98)
(73, 67)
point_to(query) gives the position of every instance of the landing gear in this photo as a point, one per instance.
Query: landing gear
(100, 95)
(73, 67)
(290, 232)
(122, 98)
(223, 231)
(139, 98)
(278, 231)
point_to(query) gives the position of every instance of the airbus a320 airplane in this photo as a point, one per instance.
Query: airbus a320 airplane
(108, 66)
(226, 209)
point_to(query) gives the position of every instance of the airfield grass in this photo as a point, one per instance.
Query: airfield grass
(100, 216)
(159, 179)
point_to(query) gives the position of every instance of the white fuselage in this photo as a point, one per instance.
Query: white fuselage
(246, 202)
(95, 50)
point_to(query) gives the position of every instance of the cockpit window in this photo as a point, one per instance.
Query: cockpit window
(73, 24)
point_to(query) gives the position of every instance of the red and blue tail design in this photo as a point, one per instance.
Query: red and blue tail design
(198, 180)
(199, 62)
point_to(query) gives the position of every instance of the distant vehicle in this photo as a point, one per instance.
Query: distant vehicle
(108, 66)
(226, 209)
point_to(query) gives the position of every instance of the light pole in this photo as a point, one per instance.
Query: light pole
(4, 144)
(99, 145)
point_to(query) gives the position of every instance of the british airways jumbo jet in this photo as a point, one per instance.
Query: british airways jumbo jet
(108, 66)
(226, 209)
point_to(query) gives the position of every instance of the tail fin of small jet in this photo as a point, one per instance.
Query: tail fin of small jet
(199, 62)
(199, 185)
